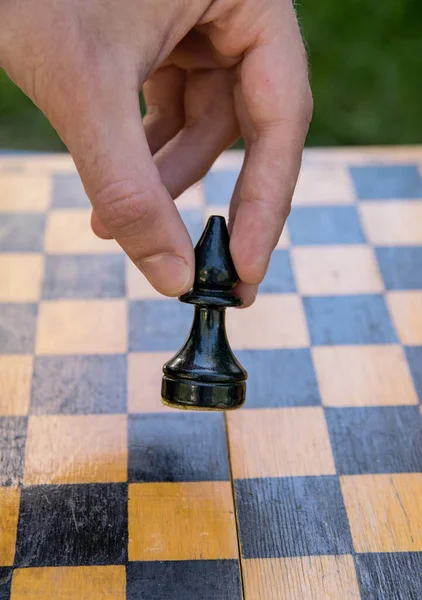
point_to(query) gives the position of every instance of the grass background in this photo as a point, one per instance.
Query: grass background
(366, 71)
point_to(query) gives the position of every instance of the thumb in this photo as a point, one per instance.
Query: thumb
(110, 150)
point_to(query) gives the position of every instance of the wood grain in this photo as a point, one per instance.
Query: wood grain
(9, 513)
(363, 375)
(307, 578)
(282, 442)
(181, 521)
(70, 583)
(76, 449)
(15, 384)
(385, 511)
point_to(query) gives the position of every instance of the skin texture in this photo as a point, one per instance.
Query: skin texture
(210, 72)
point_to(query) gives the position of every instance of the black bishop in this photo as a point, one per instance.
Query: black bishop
(204, 374)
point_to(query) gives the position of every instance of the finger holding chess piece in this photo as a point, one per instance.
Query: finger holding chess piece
(205, 374)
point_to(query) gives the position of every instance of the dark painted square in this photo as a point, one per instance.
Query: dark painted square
(177, 447)
(68, 191)
(390, 576)
(158, 325)
(382, 439)
(21, 232)
(193, 219)
(5, 582)
(17, 328)
(70, 525)
(414, 359)
(79, 385)
(401, 268)
(279, 378)
(386, 182)
(292, 516)
(184, 580)
(325, 225)
(279, 277)
(219, 186)
(360, 319)
(95, 276)
(12, 449)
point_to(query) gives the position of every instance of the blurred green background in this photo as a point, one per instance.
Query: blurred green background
(366, 70)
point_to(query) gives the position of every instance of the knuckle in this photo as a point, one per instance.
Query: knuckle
(301, 108)
(126, 208)
(271, 204)
(307, 107)
(286, 209)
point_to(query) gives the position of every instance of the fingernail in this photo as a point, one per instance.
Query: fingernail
(168, 273)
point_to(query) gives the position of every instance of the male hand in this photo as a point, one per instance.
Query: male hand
(210, 71)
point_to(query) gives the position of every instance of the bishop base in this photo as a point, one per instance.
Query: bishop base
(196, 395)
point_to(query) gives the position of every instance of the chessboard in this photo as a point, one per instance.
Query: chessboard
(312, 491)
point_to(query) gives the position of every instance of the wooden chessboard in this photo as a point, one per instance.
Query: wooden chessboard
(312, 491)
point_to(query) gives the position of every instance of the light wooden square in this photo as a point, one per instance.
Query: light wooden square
(69, 232)
(70, 583)
(304, 578)
(321, 184)
(22, 192)
(82, 327)
(9, 514)
(76, 449)
(21, 277)
(385, 511)
(336, 270)
(363, 376)
(406, 311)
(15, 384)
(273, 321)
(392, 223)
(281, 442)
(145, 371)
(182, 521)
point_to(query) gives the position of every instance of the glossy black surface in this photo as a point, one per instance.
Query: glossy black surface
(204, 374)
(215, 273)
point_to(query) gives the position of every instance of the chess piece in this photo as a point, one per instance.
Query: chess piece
(204, 374)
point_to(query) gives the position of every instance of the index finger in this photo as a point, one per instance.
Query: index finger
(131, 203)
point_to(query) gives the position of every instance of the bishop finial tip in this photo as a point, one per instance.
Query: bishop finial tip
(215, 273)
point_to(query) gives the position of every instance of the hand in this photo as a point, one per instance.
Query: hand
(210, 70)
